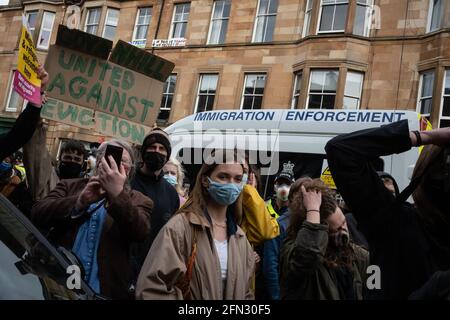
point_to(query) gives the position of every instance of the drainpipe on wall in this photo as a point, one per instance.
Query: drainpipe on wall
(159, 21)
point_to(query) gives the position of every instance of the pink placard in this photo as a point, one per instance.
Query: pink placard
(26, 90)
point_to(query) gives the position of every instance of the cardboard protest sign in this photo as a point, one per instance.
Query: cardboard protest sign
(68, 113)
(26, 82)
(123, 93)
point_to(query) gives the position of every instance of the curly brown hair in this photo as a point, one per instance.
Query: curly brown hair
(334, 257)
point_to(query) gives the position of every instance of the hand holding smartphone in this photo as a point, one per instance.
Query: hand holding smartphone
(116, 153)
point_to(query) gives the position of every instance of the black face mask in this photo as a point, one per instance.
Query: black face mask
(154, 161)
(69, 170)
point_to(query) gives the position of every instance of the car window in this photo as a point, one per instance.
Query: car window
(28, 267)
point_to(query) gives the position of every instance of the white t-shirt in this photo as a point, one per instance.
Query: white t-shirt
(222, 251)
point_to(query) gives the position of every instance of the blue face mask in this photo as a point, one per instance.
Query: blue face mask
(5, 166)
(171, 179)
(244, 179)
(224, 193)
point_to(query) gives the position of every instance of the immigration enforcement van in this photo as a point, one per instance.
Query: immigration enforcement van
(277, 139)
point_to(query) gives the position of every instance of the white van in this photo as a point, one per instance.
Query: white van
(275, 137)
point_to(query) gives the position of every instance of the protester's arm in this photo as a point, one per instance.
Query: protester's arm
(55, 207)
(164, 266)
(349, 158)
(271, 268)
(312, 238)
(24, 126)
(131, 211)
(257, 222)
(308, 249)
(440, 137)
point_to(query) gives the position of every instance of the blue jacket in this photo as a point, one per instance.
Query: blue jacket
(271, 261)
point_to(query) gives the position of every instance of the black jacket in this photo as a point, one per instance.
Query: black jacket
(398, 244)
(21, 132)
(166, 202)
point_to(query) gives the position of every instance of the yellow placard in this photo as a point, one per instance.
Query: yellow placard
(28, 63)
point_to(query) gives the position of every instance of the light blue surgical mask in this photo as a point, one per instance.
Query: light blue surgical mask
(244, 179)
(5, 166)
(224, 193)
(171, 179)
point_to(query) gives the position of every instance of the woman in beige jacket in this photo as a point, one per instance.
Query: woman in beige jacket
(201, 253)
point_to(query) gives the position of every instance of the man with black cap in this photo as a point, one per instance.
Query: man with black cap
(278, 205)
(149, 180)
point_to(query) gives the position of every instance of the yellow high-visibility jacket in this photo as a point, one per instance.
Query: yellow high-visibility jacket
(257, 222)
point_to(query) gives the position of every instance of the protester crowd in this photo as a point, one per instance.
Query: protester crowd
(139, 233)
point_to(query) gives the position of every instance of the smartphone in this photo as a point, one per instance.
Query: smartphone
(115, 152)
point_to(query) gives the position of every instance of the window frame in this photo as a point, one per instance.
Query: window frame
(361, 85)
(197, 99)
(108, 9)
(27, 14)
(420, 91)
(165, 95)
(323, 85)
(265, 16)
(136, 25)
(307, 26)
(367, 18)
(88, 13)
(212, 20)
(297, 75)
(172, 23)
(10, 93)
(45, 47)
(319, 20)
(243, 95)
(443, 96)
(430, 17)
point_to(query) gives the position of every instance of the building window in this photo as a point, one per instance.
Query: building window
(333, 15)
(253, 93)
(307, 20)
(13, 96)
(322, 89)
(353, 88)
(219, 22)
(445, 111)
(425, 101)
(206, 92)
(31, 21)
(180, 20)
(167, 97)
(46, 30)
(265, 20)
(435, 15)
(142, 22)
(111, 21)
(92, 20)
(363, 17)
(296, 92)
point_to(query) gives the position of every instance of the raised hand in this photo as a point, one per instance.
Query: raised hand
(111, 177)
(312, 200)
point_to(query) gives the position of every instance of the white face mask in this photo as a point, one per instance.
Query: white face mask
(282, 192)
